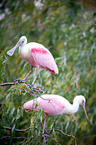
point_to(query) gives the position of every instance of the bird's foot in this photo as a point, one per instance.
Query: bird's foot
(19, 81)
(32, 86)
(46, 132)
(45, 135)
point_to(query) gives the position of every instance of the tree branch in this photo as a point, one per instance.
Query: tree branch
(14, 137)
(17, 130)
(66, 134)
(6, 84)
(18, 81)
(15, 82)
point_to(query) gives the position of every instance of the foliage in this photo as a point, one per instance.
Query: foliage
(69, 32)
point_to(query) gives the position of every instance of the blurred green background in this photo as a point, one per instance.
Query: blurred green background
(68, 30)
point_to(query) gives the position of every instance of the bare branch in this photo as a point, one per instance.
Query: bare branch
(13, 137)
(17, 130)
(15, 82)
(29, 87)
(66, 134)
(6, 84)
(44, 135)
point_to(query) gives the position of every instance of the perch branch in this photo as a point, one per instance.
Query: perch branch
(13, 137)
(66, 134)
(15, 82)
(17, 130)
(6, 84)
(18, 81)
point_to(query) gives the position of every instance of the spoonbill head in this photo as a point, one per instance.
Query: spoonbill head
(80, 99)
(36, 55)
(55, 105)
(22, 41)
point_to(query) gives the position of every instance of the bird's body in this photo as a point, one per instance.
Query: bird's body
(55, 105)
(52, 105)
(36, 55)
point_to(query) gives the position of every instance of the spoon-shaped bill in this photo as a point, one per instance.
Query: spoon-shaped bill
(85, 112)
(11, 51)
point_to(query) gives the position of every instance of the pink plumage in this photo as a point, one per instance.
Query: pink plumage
(43, 58)
(55, 105)
(52, 104)
(36, 55)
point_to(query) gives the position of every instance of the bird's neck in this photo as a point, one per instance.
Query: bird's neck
(73, 108)
(24, 51)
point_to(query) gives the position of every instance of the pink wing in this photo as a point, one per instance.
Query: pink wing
(51, 105)
(44, 59)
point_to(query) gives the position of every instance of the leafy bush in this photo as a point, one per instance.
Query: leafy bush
(69, 32)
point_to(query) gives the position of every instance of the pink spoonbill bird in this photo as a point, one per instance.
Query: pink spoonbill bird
(36, 55)
(55, 105)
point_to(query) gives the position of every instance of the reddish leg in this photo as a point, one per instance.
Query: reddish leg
(44, 123)
(36, 75)
(28, 73)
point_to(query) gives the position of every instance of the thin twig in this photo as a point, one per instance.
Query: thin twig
(6, 84)
(66, 134)
(17, 130)
(13, 137)
(30, 89)
(46, 135)
(14, 83)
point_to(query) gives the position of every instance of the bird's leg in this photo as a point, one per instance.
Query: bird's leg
(28, 73)
(44, 129)
(44, 123)
(35, 75)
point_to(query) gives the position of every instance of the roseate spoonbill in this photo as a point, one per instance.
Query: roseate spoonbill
(36, 55)
(55, 105)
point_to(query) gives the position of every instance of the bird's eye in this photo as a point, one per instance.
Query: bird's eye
(83, 102)
(22, 41)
